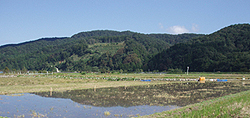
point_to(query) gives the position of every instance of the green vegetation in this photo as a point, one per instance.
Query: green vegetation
(226, 50)
(71, 81)
(95, 51)
(60, 82)
(235, 105)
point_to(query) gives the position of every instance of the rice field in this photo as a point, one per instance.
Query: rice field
(127, 90)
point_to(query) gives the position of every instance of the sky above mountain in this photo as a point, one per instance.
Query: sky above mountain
(25, 20)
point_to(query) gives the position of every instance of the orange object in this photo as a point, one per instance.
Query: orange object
(202, 79)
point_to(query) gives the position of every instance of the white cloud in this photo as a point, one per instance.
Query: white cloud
(177, 29)
(195, 28)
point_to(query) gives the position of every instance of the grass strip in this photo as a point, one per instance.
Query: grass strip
(234, 105)
(28, 84)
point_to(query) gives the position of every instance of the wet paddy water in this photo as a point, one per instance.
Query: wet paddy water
(30, 105)
(114, 102)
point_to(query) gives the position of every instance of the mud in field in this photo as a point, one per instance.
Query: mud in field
(179, 94)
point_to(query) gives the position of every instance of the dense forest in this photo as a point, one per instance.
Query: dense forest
(109, 51)
(226, 50)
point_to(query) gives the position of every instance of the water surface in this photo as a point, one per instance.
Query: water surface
(119, 101)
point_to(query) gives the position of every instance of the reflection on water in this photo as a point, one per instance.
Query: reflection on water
(30, 105)
(119, 102)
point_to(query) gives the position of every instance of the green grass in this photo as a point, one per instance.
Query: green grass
(98, 49)
(72, 81)
(63, 82)
(235, 105)
(193, 75)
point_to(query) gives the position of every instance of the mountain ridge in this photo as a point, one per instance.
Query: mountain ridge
(107, 50)
(225, 50)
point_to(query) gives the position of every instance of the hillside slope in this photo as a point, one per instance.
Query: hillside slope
(89, 51)
(225, 50)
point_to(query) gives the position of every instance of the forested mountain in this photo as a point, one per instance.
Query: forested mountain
(100, 50)
(174, 39)
(105, 51)
(31, 46)
(225, 50)
(103, 33)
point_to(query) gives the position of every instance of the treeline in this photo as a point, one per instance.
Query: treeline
(174, 39)
(106, 51)
(226, 50)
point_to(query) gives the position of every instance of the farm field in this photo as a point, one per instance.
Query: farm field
(165, 91)
(234, 105)
(72, 81)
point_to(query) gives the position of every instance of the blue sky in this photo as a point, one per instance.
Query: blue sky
(25, 20)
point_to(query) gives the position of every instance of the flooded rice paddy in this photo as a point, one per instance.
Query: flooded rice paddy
(115, 102)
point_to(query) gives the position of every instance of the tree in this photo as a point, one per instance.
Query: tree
(6, 70)
(24, 70)
(121, 71)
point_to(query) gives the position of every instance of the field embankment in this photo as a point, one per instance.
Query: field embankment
(234, 105)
